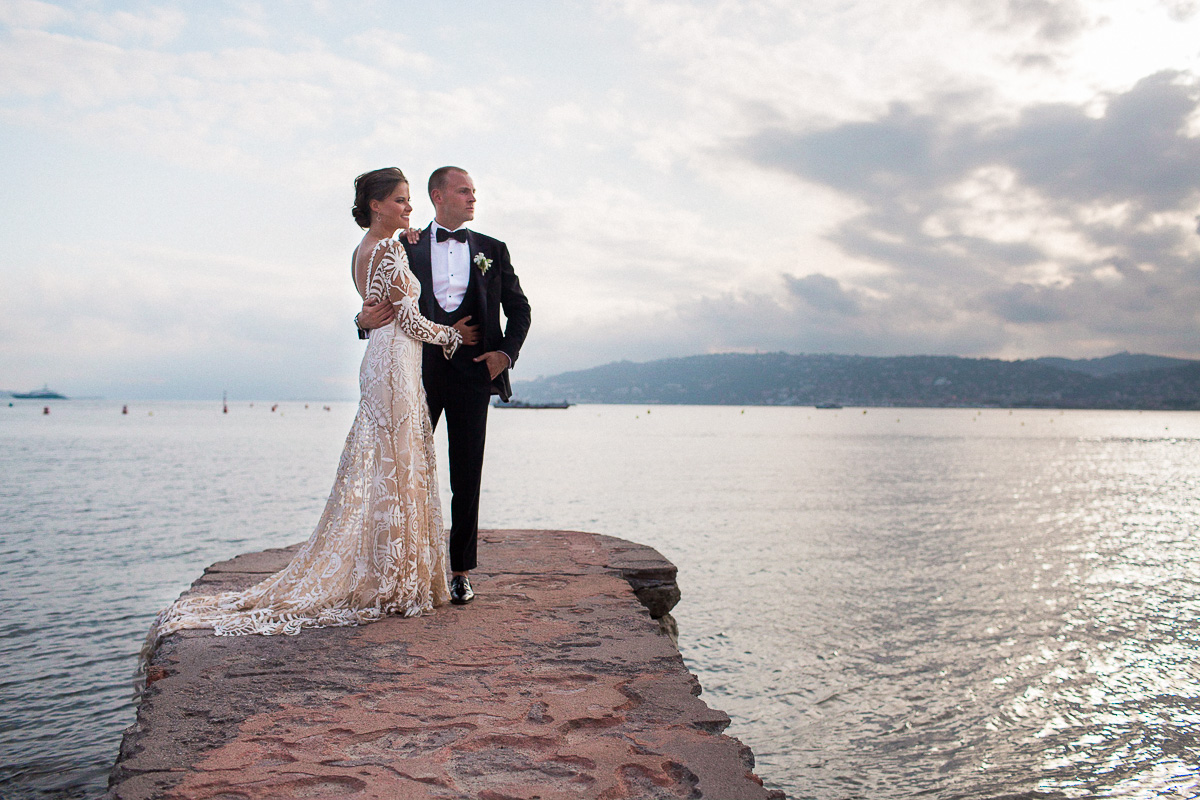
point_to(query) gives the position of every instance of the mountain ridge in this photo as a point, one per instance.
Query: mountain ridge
(1122, 380)
(1115, 364)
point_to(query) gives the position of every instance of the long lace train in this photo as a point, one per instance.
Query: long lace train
(379, 547)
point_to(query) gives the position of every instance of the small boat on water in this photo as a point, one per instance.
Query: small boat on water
(828, 405)
(44, 393)
(520, 404)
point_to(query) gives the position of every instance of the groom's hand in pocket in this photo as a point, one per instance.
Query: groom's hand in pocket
(496, 361)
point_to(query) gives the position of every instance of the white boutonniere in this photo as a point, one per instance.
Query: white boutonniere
(483, 262)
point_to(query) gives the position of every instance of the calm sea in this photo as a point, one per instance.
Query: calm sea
(890, 603)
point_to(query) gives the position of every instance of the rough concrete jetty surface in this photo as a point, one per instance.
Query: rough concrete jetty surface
(560, 681)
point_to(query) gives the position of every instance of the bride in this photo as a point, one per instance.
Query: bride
(379, 547)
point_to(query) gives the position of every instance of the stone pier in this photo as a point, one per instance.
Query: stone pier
(561, 680)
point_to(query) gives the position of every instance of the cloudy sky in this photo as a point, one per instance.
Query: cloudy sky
(1006, 178)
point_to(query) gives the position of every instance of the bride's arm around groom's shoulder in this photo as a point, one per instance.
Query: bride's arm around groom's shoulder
(402, 291)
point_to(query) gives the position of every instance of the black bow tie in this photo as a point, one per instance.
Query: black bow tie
(459, 235)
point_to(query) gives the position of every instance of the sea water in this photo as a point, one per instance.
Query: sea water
(888, 602)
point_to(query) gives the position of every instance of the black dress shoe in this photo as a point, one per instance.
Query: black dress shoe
(460, 590)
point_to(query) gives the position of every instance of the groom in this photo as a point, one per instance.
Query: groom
(463, 275)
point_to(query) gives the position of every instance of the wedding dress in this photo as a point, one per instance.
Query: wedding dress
(379, 547)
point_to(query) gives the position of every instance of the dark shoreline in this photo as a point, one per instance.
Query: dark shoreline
(1120, 382)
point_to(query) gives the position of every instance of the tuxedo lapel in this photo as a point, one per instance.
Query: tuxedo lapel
(421, 264)
(477, 279)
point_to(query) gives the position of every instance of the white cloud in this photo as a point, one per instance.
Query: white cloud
(31, 14)
(389, 49)
(251, 21)
(228, 108)
(157, 28)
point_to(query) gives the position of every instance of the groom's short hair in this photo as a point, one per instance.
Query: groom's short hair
(437, 180)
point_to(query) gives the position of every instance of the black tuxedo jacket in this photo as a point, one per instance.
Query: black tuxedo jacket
(494, 290)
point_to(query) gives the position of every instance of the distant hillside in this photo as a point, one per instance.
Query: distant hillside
(1116, 364)
(785, 379)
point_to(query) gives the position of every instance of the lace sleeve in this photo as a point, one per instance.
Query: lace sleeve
(393, 279)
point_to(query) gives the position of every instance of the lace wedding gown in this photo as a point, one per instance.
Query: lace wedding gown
(380, 546)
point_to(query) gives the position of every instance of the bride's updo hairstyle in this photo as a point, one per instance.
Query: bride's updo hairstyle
(378, 184)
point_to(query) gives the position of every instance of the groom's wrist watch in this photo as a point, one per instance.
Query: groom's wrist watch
(362, 334)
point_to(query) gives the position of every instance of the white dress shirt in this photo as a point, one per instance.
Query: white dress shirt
(450, 262)
(451, 265)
